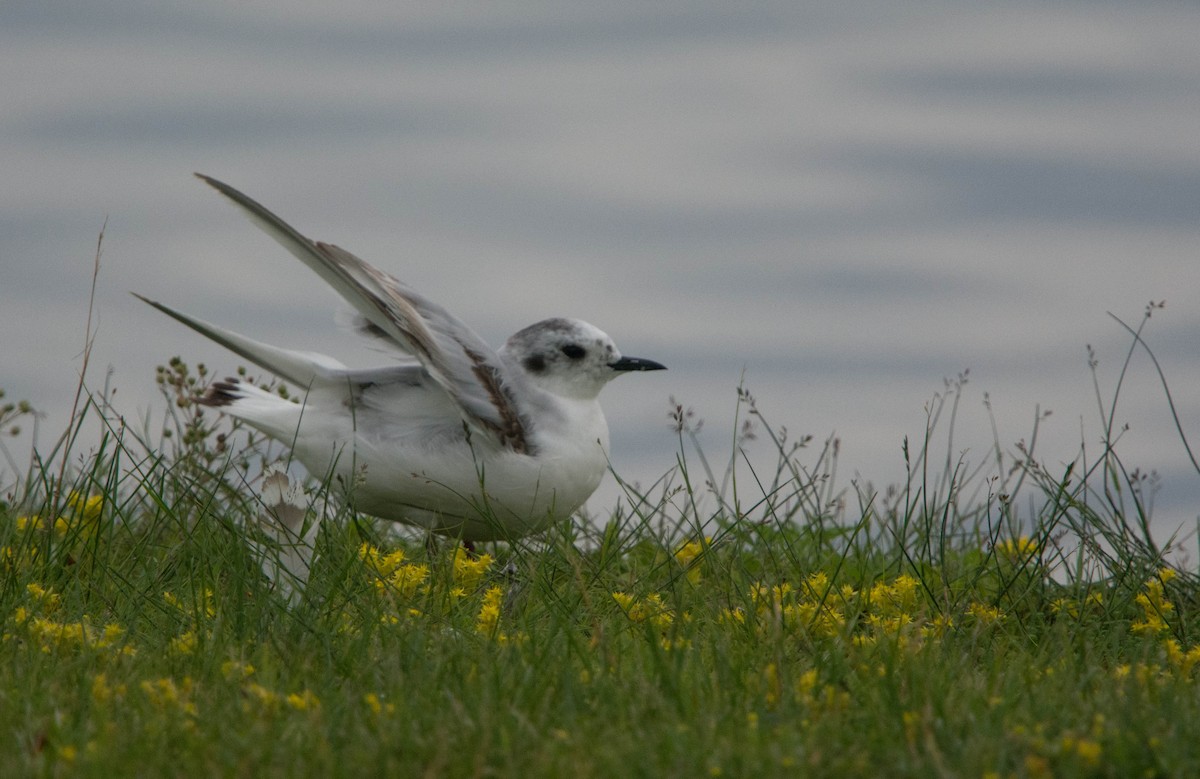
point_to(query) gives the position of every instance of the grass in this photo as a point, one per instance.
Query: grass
(996, 620)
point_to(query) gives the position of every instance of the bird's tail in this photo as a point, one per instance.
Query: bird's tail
(301, 369)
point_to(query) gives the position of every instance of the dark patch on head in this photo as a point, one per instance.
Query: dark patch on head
(535, 363)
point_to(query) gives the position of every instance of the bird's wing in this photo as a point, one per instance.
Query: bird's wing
(461, 363)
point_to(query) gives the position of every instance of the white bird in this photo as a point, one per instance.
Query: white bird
(458, 438)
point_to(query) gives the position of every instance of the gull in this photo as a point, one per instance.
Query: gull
(455, 437)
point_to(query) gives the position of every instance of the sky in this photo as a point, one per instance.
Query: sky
(838, 205)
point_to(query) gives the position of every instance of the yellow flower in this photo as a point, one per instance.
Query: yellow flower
(817, 584)
(771, 682)
(1183, 661)
(88, 508)
(489, 612)
(650, 608)
(467, 571)
(377, 706)
(165, 694)
(1017, 549)
(984, 614)
(728, 616)
(1156, 609)
(236, 669)
(205, 601)
(938, 626)
(687, 554)
(1152, 625)
(304, 701)
(894, 598)
(266, 698)
(384, 564)
(34, 522)
(404, 580)
(46, 599)
(1085, 749)
(912, 722)
(103, 692)
(691, 550)
(183, 644)
(85, 513)
(822, 620)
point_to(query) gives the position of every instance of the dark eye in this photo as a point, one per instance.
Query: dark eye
(573, 351)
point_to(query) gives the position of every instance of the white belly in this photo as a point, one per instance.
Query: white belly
(474, 490)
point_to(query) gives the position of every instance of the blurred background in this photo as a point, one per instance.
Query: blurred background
(837, 204)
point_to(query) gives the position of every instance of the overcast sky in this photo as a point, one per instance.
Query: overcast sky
(841, 202)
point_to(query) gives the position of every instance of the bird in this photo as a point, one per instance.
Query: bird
(453, 436)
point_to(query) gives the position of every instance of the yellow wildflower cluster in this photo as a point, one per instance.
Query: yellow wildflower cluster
(895, 598)
(236, 670)
(400, 582)
(688, 554)
(1076, 608)
(37, 535)
(1067, 753)
(261, 699)
(816, 607)
(378, 706)
(469, 571)
(1017, 550)
(104, 692)
(819, 609)
(806, 690)
(303, 701)
(488, 621)
(896, 610)
(43, 599)
(1156, 609)
(167, 695)
(205, 605)
(395, 577)
(184, 643)
(195, 618)
(649, 609)
(51, 635)
(985, 615)
(1182, 661)
(893, 608)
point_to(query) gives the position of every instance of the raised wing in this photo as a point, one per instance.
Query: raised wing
(462, 364)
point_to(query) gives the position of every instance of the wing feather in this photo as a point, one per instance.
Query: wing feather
(462, 364)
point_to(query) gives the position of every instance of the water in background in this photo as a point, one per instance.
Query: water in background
(835, 205)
